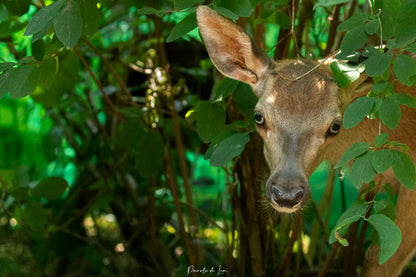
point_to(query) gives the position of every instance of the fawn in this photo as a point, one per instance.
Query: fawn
(299, 117)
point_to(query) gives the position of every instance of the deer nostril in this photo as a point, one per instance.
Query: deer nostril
(287, 197)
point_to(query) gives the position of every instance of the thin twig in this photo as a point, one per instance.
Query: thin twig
(100, 87)
(316, 66)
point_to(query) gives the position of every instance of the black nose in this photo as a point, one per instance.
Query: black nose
(287, 197)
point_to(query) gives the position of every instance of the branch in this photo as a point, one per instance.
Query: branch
(100, 87)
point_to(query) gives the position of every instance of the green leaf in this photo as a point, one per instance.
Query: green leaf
(344, 74)
(185, 4)
(372, 27)
(390, 113)
(404, 169)
(411, 48)
(91, 16)
(35, 216)
(149, 154)
(226, 12)
(354, 151)
(381, 160)
(386, 207)
(377, 64)
(404, 67)
(5, 82)
(406, 23)
(23, 80)
(362, 171)
(182, 28)
(405, 99)
(381, 139)
(245, 99)
(357, 111)
(388, 15)
(351, 215)
(5, 66)
(50, 187)
(210, 120)
(43, 18)
(224, 88)
(242, 8)
(47, 72)
(327, 3)
(131, 134)
(147, 10)
(69, 25)
(356, 20)
(228, 149)
(8, 266)
(353, 40)
(389, 236)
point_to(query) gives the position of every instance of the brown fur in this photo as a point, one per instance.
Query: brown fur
(299, 102)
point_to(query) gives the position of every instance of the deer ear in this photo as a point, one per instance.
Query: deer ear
(230, 48)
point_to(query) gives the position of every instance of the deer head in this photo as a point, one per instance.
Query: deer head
(299, 111)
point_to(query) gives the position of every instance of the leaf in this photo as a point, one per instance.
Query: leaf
(357, 111)
(35, 216)
(354, 151)
(405, 99)
(224, 88)
(356, 20)
(327, 3)
(351, 215)
(377, 64)
(50, 187)
(390, 113)
(23, 80)
(411, 48)
(388, 16)
(381, 160)
(245, 99)
(91, 17)
(344, 74)
(386, 207)
(406, 23)
(147, 10)
(149, 154)
(353, 40)
(210, 120)
(5, 83)
(183, 27)
(228, 149)
(381, 139)
(185, 4)
(226, 12)
(362, 171)
(6, 65)
(389, 236)
(43, 18)
(69, 25)
(131, 134)
(404, 169)
(404, 67)
(47, 72)
(372, 27)
(242, 8)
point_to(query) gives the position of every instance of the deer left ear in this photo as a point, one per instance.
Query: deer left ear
(231, 49)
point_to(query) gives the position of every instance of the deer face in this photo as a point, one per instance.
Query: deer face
(298, 110)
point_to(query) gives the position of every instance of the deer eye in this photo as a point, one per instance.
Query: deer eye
(335, 127)
(258, 118)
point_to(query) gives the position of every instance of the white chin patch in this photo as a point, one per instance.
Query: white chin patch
(285, 210)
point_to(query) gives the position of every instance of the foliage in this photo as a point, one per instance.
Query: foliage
(122, 99)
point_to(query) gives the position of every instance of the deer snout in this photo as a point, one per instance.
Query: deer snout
(287, 193)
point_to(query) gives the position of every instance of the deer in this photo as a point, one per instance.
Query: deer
(299, 118)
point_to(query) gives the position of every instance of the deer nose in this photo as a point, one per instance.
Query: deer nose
(287, 197)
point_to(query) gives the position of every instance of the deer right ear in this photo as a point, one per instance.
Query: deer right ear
(230, 48)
